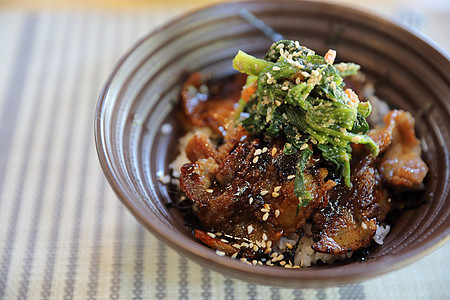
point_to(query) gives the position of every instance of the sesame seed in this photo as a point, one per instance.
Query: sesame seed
(273, 255)
(305, 74)
(280, 257)
(284, 88)
(264, 192)
(236, 246)
(267, 250)
(297, 80)
(291, 177)
(225, 241)
(258, 151)
(277, 188)
(220, 253)
(250, 201)
(264, 150)
(234, 255)
(251, 245)
(282, 263)
(297, 44)
(263, 244)
(260, 263)
(211, 234)
(250, 229)
(269, 115)
(277, 213)
(209, 190)
(266, 206)
(255, 248)
(255, 160)
(264, 237)
(219, 233)
(244, 244)
(363, 225)
(296, 267)
(289, 245)
(243, 259)
(304, 146)
(275, 68)
(269, 244)
(274, 151)
(279, 46)
(281, 51)
(264, 210)
(275, 194)
(266, 216)
(288, 267)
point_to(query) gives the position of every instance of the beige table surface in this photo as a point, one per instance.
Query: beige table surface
(64, 234)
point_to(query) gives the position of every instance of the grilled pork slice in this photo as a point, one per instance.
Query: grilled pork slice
(401, 163)
(349, 222)
(250, 194)
(213, 105)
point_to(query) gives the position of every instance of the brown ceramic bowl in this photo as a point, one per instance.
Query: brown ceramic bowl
(140, 94)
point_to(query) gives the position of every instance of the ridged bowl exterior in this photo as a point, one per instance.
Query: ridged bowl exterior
(139, 96)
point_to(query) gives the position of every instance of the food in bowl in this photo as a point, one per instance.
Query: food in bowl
(284, 170)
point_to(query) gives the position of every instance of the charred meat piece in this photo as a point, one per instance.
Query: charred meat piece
(350, 220)
(211, 106)
(401, 164)
(252, 192)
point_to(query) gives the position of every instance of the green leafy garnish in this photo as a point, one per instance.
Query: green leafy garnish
(301, 96)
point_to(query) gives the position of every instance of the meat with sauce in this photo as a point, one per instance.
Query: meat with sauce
(244, 186)
(349, 221)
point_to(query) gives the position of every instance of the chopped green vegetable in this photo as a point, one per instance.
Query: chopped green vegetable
(299, 184)
(301, 96)
(248, 64)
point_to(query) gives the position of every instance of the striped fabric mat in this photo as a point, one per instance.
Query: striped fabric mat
(64, 234)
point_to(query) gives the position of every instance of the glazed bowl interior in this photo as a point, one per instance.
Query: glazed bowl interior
(140, 96)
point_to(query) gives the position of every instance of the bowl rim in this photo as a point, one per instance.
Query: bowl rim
(308, 277)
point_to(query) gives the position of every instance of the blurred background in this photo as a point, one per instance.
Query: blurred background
(431, 17)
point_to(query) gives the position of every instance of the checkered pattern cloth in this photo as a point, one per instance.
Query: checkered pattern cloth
(64, 234)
